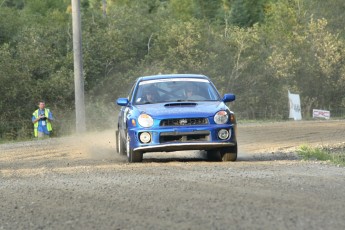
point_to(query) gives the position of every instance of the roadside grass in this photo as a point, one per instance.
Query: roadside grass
(322, 154)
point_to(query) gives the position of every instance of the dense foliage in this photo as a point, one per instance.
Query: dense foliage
(256, 49)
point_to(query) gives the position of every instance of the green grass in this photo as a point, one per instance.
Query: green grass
(322, 154)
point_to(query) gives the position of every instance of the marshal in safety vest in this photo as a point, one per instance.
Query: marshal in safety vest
(49, 125)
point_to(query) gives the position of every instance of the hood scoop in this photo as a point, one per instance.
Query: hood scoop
(175, 104)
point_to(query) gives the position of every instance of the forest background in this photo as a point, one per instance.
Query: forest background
(257, 50)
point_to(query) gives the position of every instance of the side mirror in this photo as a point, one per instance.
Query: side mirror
(228, 97)
(122, 101)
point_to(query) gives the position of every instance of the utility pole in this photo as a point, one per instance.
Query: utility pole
(78, 68)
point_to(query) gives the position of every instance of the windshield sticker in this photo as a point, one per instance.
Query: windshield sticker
(172, 80)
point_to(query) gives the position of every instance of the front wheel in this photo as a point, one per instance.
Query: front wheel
(229, 154)
(119, 143)
(213, 155)
(131, 155)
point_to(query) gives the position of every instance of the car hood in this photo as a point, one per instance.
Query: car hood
(182, 109)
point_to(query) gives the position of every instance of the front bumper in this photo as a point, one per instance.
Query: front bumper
(182, 138)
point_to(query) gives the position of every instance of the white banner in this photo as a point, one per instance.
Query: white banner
(295, 106)
(318, 113)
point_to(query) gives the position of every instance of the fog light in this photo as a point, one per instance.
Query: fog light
(223, 134)
(145, 137)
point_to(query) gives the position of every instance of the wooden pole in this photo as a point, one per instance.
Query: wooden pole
(78, 68)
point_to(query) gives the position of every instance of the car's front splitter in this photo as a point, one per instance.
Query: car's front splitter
(168, 147)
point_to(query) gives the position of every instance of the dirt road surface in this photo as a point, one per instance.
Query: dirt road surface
(81, 183)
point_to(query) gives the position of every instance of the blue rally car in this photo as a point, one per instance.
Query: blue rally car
(176, 112)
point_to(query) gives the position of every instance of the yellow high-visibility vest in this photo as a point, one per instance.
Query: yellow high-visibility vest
(49, 125)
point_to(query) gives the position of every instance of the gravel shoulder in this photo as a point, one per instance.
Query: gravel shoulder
(81, 183)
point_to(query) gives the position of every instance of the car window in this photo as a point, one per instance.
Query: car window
(175, 89)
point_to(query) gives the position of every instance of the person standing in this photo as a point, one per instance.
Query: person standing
(42, 119)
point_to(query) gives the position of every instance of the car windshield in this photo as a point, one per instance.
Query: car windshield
(175, 90)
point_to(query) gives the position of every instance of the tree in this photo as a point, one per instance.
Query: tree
(246, 13)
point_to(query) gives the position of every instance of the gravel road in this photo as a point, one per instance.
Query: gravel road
(81, 183)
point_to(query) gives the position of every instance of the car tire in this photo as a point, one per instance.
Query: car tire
(119, 144)
(131, 155)
(213, 155)
(229, 154)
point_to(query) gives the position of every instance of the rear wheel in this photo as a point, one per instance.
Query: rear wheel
(229, 154)
(131, 155)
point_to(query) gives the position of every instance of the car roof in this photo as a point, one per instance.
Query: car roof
(165, 76)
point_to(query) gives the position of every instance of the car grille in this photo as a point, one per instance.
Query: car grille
(184, 122)
(196, 136)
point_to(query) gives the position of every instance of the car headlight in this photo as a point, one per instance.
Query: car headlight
(221, 117)
(145, 120)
